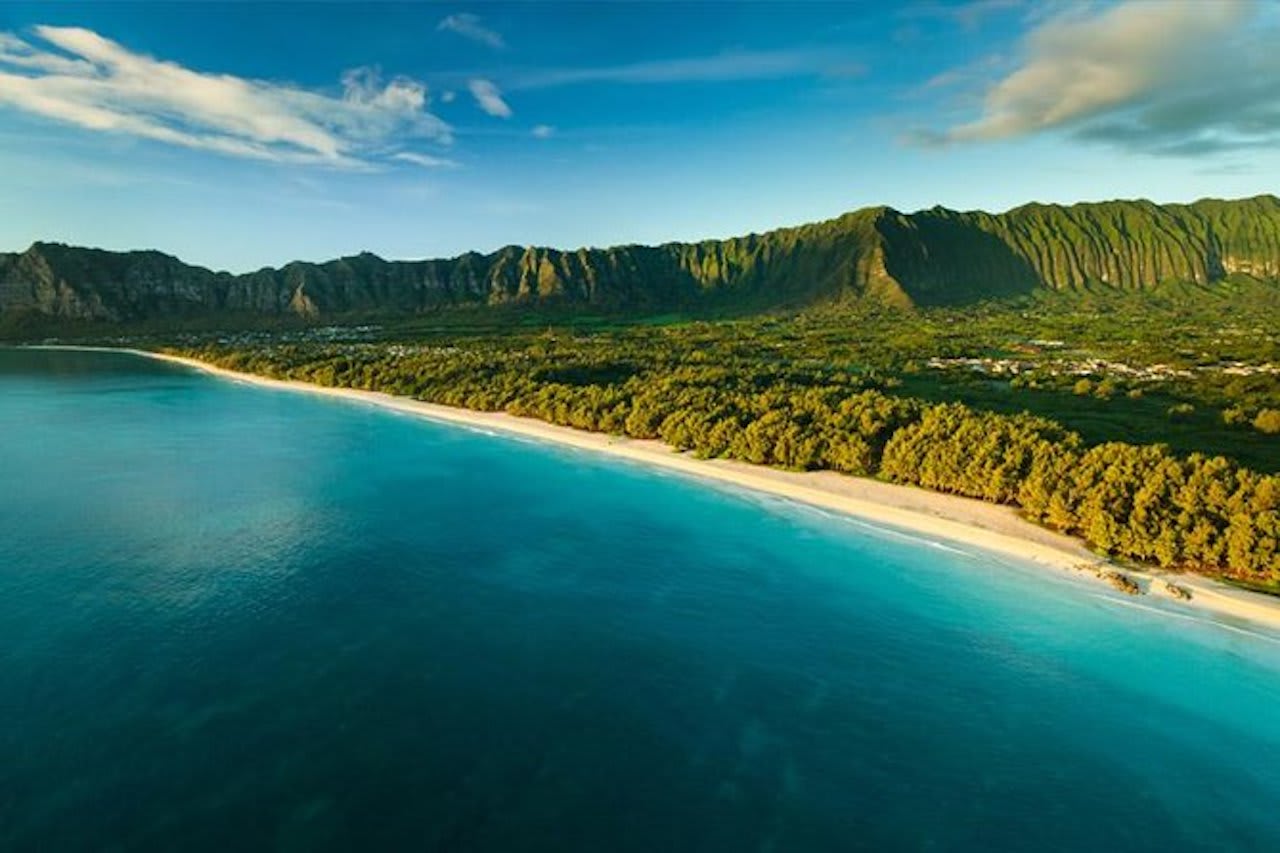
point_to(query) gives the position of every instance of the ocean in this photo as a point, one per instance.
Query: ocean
(234, 618)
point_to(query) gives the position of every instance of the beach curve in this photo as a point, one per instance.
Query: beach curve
(990, 527)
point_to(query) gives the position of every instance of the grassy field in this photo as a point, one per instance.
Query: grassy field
(1137, 421)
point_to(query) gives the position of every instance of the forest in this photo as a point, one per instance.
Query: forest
(1146, 433)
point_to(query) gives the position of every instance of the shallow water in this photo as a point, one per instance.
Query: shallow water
(233, 618)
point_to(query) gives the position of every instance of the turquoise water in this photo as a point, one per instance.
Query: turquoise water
(239, 619)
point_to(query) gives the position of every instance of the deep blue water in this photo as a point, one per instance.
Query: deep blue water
(239, 619)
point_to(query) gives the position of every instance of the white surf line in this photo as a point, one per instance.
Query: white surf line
(908, 537)
(1173, 614)
(796, 505)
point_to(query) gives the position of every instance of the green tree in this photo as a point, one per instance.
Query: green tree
(1267, 421)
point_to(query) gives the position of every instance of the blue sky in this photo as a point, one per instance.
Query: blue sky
(245, 135)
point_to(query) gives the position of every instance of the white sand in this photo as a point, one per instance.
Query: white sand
(960, 520)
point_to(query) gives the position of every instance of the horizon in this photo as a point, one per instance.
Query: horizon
(430, 131)
(612, 246)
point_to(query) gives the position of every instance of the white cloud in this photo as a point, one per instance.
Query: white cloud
(468, 26)
(543, 131)
(447, 96)
(78, 77)
(1164, 76)
(426, 161)
(489, 98)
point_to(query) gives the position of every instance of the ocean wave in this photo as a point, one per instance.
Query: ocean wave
(1208, 620)
(906, 537)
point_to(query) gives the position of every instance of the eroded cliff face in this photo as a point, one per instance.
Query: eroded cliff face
(91, 284)
(931, 257)
(1137, 244)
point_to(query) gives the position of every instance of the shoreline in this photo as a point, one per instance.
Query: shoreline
(991, 527)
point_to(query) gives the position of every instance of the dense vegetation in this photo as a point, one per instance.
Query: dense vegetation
(873, 256)
(982, 402)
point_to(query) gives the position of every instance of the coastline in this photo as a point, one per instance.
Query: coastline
(960, 520)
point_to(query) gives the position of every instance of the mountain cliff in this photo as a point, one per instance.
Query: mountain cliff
(935, 256)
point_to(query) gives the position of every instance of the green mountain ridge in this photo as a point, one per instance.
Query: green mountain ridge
(931, 257)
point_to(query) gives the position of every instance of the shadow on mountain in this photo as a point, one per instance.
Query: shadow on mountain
(940, 258)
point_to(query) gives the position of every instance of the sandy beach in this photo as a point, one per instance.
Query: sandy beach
(959, 520)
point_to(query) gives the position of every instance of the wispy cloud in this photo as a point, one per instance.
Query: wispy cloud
(1144, 75)
(965, 75)
(469, 26)
(18, 53)
(543, 131)
(724, 67)
(489, 98)
(77, 77)
(426, 161)
(968, 15)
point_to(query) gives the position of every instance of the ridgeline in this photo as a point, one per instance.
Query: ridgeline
(932, 257)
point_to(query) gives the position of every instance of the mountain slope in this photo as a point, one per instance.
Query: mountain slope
(933, 256)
